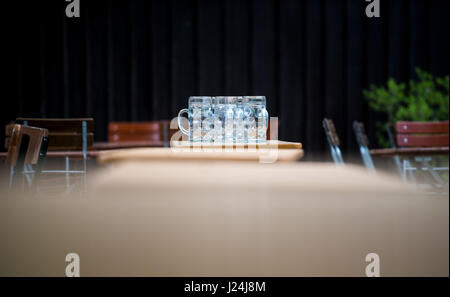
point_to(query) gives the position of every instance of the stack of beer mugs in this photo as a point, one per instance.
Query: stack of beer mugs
(226, 119)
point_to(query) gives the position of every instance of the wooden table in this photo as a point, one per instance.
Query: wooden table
(273, 151)
(229, 219)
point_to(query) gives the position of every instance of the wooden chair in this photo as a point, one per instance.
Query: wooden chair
(157, 133)
(27, 146)
(333, 141)
(65, 135)
(422, 135)
(363, 142)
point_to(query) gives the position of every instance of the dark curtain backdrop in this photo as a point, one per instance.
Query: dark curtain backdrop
(140, 60)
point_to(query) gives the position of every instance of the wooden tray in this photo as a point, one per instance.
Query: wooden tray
(269, 155)
(271, 144)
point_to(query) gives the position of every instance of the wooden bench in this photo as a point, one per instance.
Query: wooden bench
(422, 134)
(416, 142)
(417, 139)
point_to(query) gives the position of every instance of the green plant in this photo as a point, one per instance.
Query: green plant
(424, 99)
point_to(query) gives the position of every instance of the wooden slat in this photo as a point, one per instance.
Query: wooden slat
(68, 141)
(410, 151)
(422, 127)
(137, 131)
(13, 145)
(424, 140)
(331, 131)
(59, 125)
(134, 127)
(125, 144)
(274, 133)
(36, 135)
(72, 154)
(135, 137)
(360, 132)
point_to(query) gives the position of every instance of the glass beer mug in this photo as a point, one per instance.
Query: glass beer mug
(256, 119)
(239, 120)
(200, 119)
(223, 114)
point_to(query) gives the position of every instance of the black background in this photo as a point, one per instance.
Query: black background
(140, 60)
(275, 286)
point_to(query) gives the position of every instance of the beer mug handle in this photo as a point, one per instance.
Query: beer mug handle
(266, 115)
(185, 110)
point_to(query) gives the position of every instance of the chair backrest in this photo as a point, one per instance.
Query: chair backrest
(25, 144)
(330, 131)
(63, 134)
(272, 134)
(422, 134)
(360, 133)
(333, 141)
(156, 131)
(363, 142)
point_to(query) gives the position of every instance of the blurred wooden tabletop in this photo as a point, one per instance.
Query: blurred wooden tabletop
(159, 218)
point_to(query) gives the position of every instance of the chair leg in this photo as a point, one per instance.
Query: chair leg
(412, 177)
(17, 174)
(11, 176)
(410, 170)
(166, 134)
(84, 127)
(433, 173)
(40, 162)
(67, 161)
(84, 175)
